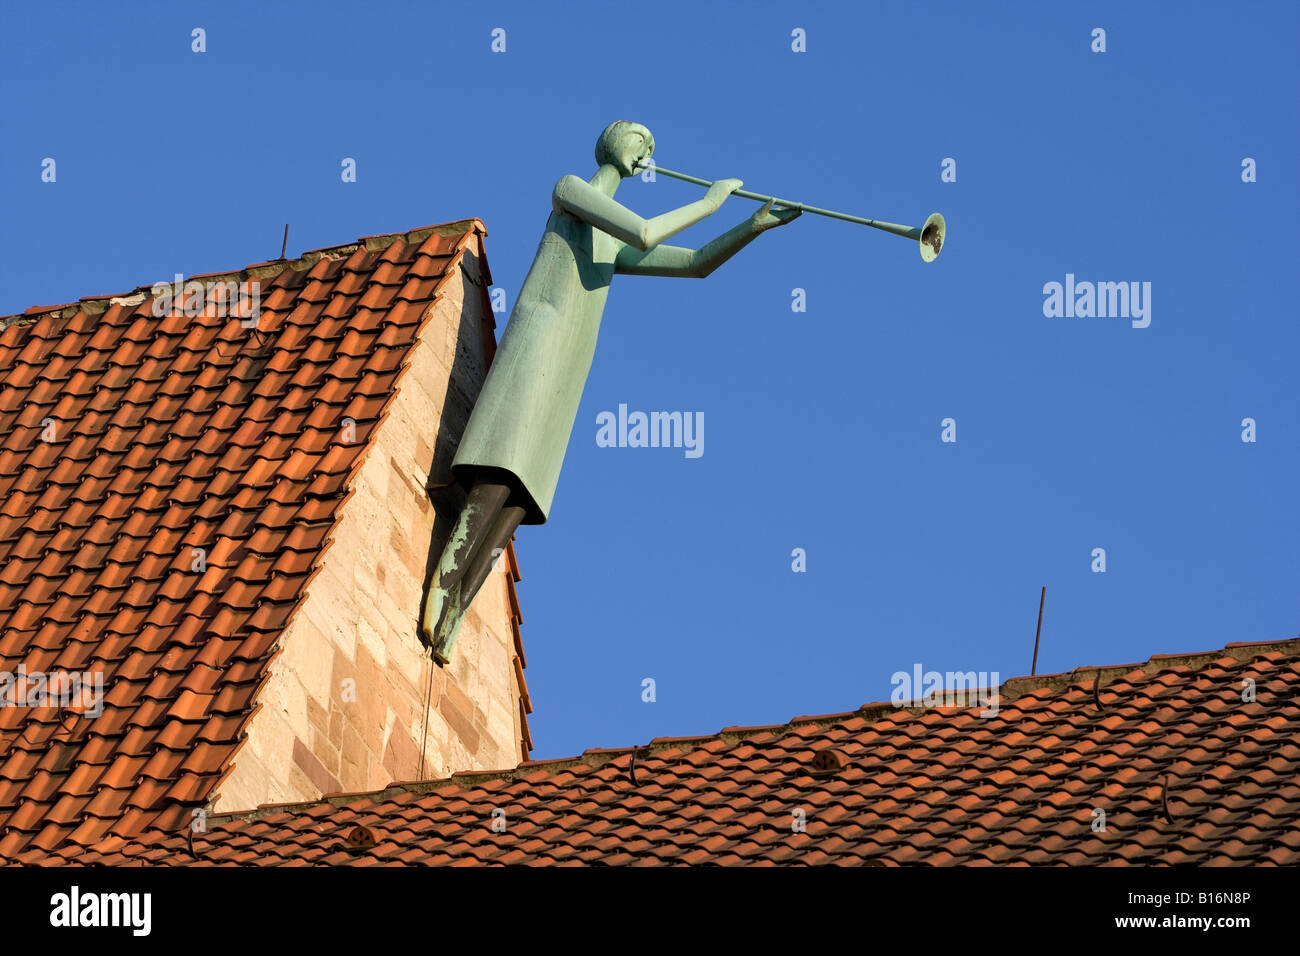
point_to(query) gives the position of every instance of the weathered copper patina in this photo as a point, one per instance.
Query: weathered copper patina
(512, 449)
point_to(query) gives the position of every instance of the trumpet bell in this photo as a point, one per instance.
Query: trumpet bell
(933, 234)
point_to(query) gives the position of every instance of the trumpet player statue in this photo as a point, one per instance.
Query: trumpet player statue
(510, 455)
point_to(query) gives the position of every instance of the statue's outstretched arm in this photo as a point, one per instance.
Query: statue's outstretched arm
(592, 206)
(677, 262)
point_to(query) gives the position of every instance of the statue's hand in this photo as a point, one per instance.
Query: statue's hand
(721, 190)
(767, 217)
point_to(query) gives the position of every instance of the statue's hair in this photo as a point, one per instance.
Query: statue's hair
(607, 145)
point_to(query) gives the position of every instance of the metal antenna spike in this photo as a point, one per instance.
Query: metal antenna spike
(1042, 599)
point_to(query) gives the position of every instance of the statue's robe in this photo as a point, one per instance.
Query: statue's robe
(524, 416)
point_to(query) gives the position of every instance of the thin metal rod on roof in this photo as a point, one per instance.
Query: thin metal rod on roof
(424, 734)
(284, 245)
(1041, 599)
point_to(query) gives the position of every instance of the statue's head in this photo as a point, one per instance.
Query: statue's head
(622, 144)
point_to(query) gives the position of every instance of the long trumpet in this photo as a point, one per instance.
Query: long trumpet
(929, 237)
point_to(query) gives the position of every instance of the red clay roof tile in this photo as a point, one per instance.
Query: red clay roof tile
(178, 432)
(911, 792)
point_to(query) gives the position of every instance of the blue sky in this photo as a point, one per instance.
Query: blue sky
(822, 428)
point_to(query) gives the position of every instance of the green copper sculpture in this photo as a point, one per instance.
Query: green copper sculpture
(512, 449)
(510, 454)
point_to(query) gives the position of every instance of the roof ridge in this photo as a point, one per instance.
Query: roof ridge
(95, 304)
(1010, 689)
(1104, 674)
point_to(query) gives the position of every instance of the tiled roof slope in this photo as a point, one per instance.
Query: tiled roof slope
(126, 440)
(1185, 771)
